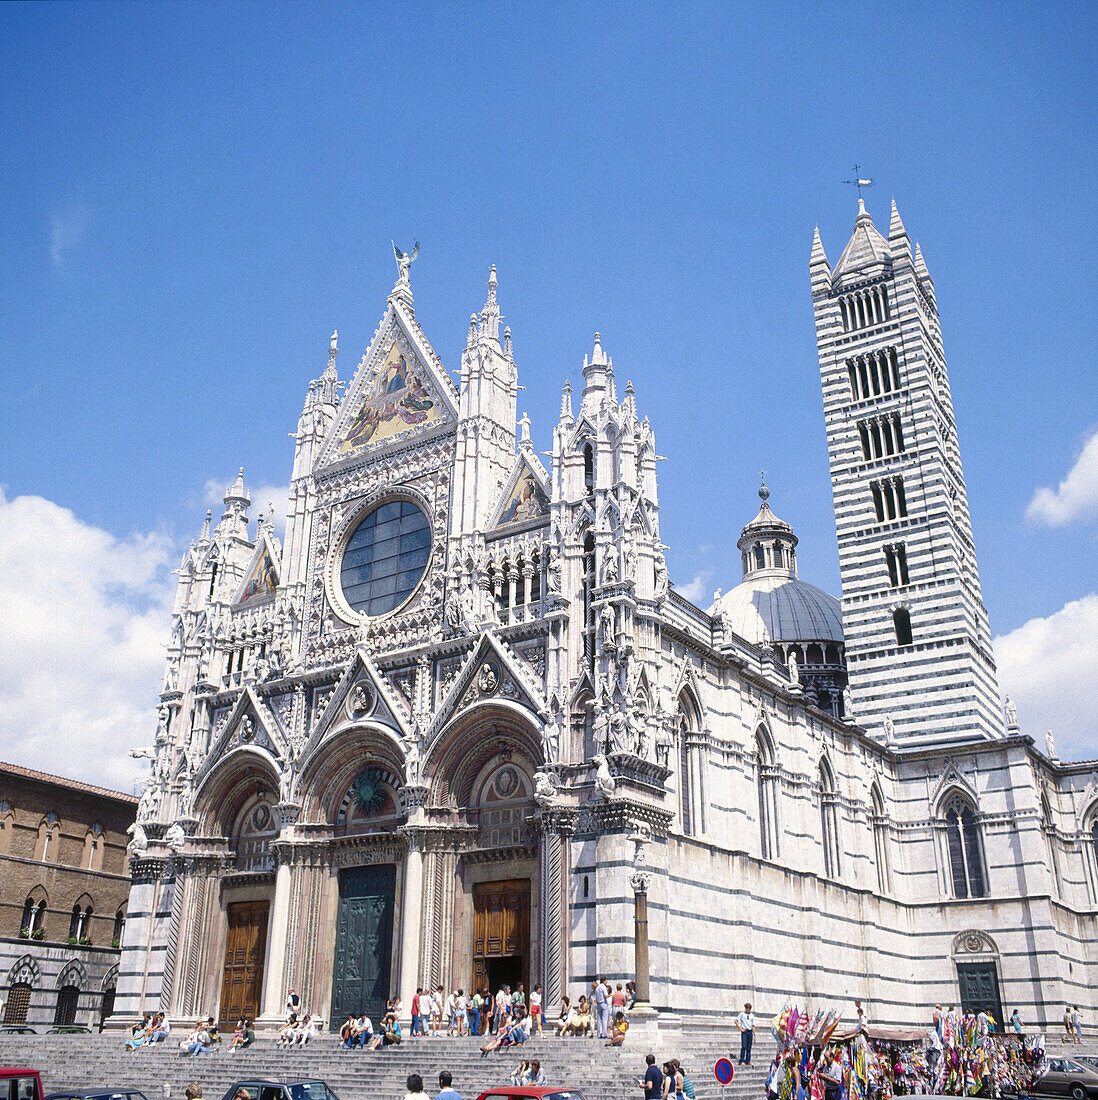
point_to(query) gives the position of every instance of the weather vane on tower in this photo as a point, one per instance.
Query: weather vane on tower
(857, 181)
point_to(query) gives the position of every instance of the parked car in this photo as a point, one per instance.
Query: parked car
(282, 1088)
(1067, 1077)
(20, 1084)
(531, 1092)
(98, 1094)
(69, 1029)
(17, 1029)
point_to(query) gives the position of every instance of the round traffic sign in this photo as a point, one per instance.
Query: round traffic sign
(723, 1071)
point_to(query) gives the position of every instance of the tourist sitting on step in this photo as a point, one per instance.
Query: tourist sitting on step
(618, 1029)
(243, 1037)
(286, 1031)
(203, 1037)
(161, 1029)
(518, 1075)
(389, 1035)
(304, 1032)
(567, 1017)
(511, 1034)
(346, 1032)
(584, 1023)
(139, 1033)
(363, 1031)
(535, 1075)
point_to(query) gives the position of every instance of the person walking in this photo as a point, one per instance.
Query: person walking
(1076, 1023)
(601, 996)
(1016, 1022)
(745, 1021)
(446, 1087)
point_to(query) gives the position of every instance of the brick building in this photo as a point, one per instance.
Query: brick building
(63, 892)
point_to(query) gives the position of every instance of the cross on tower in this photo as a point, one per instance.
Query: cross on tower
(857, 181)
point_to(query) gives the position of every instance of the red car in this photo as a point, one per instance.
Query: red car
(20, 1084)
(531, 1092)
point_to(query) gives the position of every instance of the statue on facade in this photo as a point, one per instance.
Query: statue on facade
(175, 838)
(550, 734)
(1050, 745)
(890, 729)
(553, 573)
(404, 259)
(148, 805)
(453, 611)
(605, 783)
(139, 842)
(610, 566)
(794, 671)
(639, 732)
(660, 587)
(545, 787)
(1011, 714)
(620, 739)
(631, 562)
(606, 623)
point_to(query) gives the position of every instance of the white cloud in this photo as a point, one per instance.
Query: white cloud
(697, 590)
(84, 618)
(1076, 497)
(66, 230)
(213, 497)
(1047, 666)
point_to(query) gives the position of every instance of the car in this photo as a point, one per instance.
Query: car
(531, 1092)
(98, 1094)
(1067, 1077)
(17, 1029)
(69, 1029)
(20, 1084)
(282, 1088)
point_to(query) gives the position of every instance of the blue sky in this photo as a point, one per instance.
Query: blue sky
(196, 195)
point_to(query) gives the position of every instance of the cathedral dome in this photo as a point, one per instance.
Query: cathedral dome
(770, 607)
(773, 604)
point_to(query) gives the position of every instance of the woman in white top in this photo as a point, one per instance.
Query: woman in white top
(535, 1011)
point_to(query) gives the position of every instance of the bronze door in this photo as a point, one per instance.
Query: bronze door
(501, 932)
(245, 954)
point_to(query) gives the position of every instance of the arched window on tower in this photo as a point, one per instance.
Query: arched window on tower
(829, 821)
(119, 927)
(766, 782)
(589, 470)
(588, 601)
(880, 841)
(901, 622)
(760, 556)
(966, 860)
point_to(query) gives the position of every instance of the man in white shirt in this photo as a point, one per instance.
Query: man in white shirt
(745, 1021)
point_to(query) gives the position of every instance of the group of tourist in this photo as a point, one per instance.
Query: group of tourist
(602, 1015)
(153, 1028)
(358, 1031)
(666, 1082)
(445, 1085)
(1073, 1025)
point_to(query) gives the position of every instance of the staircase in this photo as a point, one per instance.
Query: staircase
(600, 1072)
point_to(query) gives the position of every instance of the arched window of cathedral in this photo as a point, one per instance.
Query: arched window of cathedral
(588, 601)
(901, 621)
(766, 782)
(588, 470)
(49, 835)
(966, 861)
(1049, 827)
(256, 828)
(119, 927)
(689, 722)
(829, 821)
(880, 841)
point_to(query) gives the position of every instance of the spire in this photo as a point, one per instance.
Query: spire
(923, 275)
(236, 493)
(818, 267)
(507, 342)
(566, 403)
(865, 250)
(630, 400)
(329, 385)
(472, 338)
(598, 378)
(770, 536)
(489, 316)
(205, 535)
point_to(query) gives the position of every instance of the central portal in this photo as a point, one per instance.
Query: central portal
(501, 934)
(364, 942)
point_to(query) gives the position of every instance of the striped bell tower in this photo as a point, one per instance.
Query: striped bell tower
(918, 644)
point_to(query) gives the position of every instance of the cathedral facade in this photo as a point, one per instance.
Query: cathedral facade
(460, 727)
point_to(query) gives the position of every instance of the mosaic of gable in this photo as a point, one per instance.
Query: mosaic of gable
(398, 400)
(526, 502)
(263, 580)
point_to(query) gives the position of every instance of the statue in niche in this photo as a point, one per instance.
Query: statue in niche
(607, 625)
(620, 740)
(661, 582)
(553, 573)
(453, 611)
(550, 734)
(631, 562)
(148, 805)
(639, 731)
(610, 566)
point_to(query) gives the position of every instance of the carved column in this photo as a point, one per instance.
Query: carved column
(553, 866)
(273, 990)
(639, 882)
(411, 916)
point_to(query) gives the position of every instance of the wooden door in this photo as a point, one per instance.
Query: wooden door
(980, 989)
(501, 926)
(245, 954)
(364, 942)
